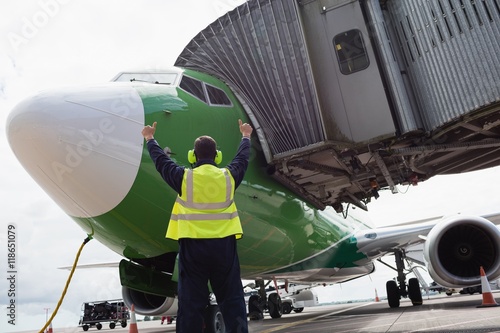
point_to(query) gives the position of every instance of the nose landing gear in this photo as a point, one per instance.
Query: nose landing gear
(257, 304)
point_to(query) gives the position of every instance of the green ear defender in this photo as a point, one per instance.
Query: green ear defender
(192, 157)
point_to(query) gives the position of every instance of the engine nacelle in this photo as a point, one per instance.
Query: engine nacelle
(149, 304)
(456, 247)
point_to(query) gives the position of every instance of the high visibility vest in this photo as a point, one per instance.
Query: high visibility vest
(206, 207)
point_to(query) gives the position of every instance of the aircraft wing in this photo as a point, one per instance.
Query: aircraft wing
(453, 247)
(377, 242)
(100, 265)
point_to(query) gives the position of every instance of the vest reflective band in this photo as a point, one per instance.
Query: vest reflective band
(206, 207)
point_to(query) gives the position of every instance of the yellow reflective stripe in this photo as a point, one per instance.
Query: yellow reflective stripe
(203, 217)
(228, 185)
(189, 185)
(202, 206)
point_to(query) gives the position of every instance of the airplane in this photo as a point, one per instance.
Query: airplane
(346, 97)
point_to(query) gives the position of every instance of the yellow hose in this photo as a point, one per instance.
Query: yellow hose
(67, 285)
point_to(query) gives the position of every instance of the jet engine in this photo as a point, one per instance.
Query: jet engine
(456, 247)
(149, 304)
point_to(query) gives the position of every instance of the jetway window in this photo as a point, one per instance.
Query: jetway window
(351, 51)
(194, 87)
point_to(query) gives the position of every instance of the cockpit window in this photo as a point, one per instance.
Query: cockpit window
(217, 96)
(205, 92)
(157, 78)
(194, 87)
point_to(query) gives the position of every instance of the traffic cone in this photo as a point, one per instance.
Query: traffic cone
(50, 328)
(376, 296)
(133, 321)
(488, 299)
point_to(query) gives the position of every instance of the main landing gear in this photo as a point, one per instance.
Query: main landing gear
(214, 323)
(395, 291)
(257, 304)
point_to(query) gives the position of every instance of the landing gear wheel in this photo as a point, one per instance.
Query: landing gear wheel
(414, 292)
(392, 293)
(254, 308)
(213, 320)
(286, 308)
(112, 325)
(298, 310)
(274, 305)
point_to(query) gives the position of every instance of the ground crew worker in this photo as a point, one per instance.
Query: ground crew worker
(205, 222)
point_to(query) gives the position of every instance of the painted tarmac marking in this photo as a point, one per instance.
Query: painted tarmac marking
(282, 327)
(449, 325)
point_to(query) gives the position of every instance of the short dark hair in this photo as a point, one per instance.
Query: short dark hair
(205, 148)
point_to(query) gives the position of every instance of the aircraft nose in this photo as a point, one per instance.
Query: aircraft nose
(83, 146)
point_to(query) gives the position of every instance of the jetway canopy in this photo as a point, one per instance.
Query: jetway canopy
(259, 50)
(351, 96)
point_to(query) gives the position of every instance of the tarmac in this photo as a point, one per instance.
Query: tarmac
(456, 313)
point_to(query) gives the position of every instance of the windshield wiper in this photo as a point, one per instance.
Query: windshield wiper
(156, 82)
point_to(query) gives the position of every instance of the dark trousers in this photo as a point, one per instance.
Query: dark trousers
(214, 260)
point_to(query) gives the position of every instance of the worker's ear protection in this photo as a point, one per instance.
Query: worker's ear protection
(192, 157)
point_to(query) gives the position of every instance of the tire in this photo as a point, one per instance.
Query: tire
(124, 324)
(254, 308)
(214, 323)
(85, 327)
(392, 293)
(286, 308)
(98, 326)
(414, 292)
(275, 306)
(112, 325)
(298, 310)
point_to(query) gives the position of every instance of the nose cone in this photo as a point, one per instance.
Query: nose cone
(83, 146)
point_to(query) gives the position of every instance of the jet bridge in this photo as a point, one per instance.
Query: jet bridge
(351, 96)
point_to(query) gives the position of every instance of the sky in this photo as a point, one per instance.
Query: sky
(54, 43)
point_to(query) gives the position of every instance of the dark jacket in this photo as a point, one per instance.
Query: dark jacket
(173, 173)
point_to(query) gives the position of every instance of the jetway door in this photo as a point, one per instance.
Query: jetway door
(349, 83)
